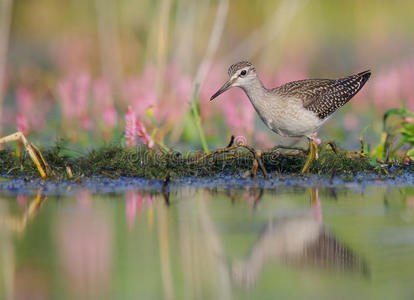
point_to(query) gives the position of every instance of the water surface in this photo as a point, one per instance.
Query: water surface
(208, 243)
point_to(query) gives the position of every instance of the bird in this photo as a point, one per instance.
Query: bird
(297, 108)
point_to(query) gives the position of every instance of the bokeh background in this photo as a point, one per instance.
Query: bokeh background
(69, 69)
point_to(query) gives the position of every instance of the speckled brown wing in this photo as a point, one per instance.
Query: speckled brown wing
(325, 96)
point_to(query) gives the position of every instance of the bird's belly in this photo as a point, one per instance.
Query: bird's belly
(293, 121)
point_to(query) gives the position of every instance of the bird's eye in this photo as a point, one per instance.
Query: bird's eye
(243, 73)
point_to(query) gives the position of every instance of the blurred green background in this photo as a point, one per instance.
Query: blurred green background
(71, 68)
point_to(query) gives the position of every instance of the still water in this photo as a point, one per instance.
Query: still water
(201, 243)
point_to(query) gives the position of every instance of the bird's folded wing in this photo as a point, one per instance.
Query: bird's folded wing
(325, 96)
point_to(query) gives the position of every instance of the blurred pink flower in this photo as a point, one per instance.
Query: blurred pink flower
(407, 88)
(139, 92)
(351, 122)
(102, 92)
(386, 89)
(22, 124)
(130, 128)
(110, 116)
(74, 94)
(25, 99)
(211, 85)
(103, 107)
(26, 106)
(82, 87)
(86, 122)
(394, 85)
(288, 73)
(239, 115)
(73, 52)
(183, 88)
(64, 89)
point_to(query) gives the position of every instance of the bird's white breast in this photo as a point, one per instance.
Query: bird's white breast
(287, 116)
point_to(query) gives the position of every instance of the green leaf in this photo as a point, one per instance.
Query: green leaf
(402, 112)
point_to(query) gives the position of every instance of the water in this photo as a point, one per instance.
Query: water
(206, 243)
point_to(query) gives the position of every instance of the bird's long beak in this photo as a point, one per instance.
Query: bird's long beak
(224, 88)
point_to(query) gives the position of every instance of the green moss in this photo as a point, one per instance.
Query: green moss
(156, 164)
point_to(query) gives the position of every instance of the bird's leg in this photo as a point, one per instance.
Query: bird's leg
(34, 153)
(313, 154)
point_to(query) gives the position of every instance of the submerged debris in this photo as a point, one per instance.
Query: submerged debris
(115, 161)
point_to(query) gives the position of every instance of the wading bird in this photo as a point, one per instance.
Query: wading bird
(298, 108)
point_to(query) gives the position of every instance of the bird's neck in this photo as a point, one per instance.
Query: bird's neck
(255, 91)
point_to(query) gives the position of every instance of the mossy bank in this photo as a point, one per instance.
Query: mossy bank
(114, 161)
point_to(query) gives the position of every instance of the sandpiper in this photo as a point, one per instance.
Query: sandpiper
(298, 108)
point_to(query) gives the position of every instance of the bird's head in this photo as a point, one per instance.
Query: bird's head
(241, 74)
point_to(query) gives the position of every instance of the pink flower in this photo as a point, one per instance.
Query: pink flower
(25, 99)
(386, 89)
(184, 88)
(316, 140)
(134, 128)
(130, 128)
(74, 93)
(140, 91)
(142, 133)
(81, 92)
(238, 113)
(86, 122)
(26, 106)
(102, 92)
(103, 104)
(110, 116)
(64, 89)
(22, 124)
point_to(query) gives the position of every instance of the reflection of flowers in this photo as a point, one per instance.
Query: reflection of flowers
(134, 203)
(410, 202)
(85, 246)
(84, 198)
(21, 200)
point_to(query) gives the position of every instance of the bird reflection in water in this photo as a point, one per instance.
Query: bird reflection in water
(300, 240)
